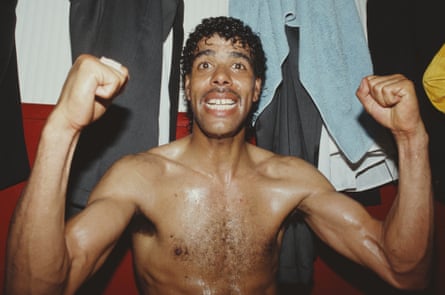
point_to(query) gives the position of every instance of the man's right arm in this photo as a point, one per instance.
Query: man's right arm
(38, 259)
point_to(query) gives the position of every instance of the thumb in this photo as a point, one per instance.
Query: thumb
(363, 90)
(364, 94)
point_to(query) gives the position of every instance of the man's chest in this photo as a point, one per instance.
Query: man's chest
(216, 226)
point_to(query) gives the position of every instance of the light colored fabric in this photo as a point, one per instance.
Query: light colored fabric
(376, 169)
(43, 49)
(361, 8)
(434, 80)
(164, 103)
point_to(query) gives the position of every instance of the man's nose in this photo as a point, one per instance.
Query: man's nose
(221, 76)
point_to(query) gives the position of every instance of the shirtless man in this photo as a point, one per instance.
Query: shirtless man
(208, 210)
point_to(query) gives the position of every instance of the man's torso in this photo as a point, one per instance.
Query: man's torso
(197, 233)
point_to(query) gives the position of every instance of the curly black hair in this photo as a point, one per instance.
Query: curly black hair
(228, 28)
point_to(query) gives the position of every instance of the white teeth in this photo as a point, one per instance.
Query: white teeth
(220, 107)
(220, 101)
(220, 104)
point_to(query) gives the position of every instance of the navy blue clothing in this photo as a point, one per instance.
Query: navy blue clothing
(14, 163)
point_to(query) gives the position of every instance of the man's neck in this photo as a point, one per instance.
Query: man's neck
(221, 156)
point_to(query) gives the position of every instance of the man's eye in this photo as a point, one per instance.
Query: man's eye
(239, 66)
(204, 65)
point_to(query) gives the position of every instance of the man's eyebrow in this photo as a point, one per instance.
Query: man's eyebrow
(210, 52)
(241, 55)
(207, 52)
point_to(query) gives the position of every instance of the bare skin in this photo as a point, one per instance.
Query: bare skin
(208, 211)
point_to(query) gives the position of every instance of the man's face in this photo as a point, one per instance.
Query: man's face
(221, 87)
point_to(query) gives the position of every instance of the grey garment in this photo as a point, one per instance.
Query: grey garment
(14, 163)
(297, 254)
(291, 125)
(131, 32)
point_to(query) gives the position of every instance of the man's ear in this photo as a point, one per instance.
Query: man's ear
(187, 87)
(257, 89)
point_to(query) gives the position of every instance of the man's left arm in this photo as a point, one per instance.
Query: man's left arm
(408, 228)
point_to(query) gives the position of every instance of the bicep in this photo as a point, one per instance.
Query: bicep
(347, 227)
(341, 222)
(92, 234)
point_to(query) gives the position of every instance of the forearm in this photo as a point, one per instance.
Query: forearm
(407, 236)
(36, 255)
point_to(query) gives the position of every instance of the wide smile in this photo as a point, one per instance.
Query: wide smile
(220, 104)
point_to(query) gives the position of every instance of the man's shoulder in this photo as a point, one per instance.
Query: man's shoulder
(286, 168)
(141, 169)
(270, 159)
(151, 161)
(161, 153)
